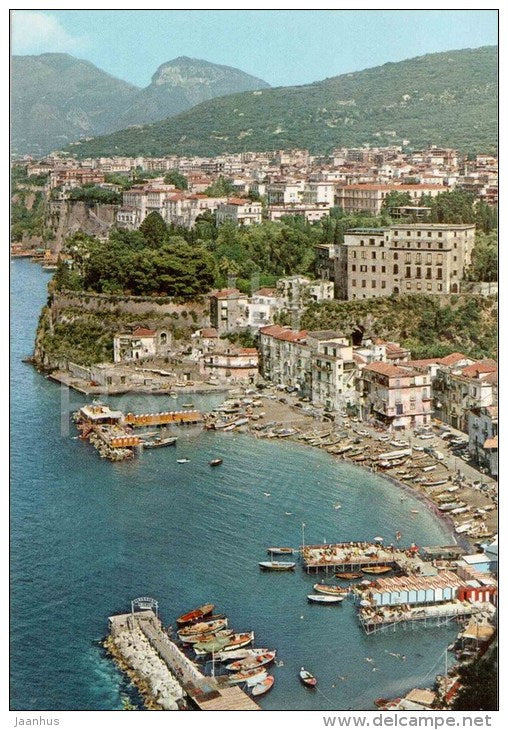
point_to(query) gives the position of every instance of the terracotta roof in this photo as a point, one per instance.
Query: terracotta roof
(359, 359)
(239, 201)
(482, 367)
(225, 293)
(283, 333)
(209, 332)
(247, 351)
(490, 443)
(265, 292)
(424, 362)
(386, 368)
(453, 359)
(144, 332)
(407, 186)
(490, 378)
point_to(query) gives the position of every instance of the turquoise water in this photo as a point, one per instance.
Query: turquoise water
(88, 535)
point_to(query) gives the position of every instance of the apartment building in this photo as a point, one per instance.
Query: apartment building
(369, 198)
(457, 390)
(398, 397)
(482, 431)
(228, 310)
(284, 358)
(239, 211)
(141, 344)
(231, 364)
(416, 258)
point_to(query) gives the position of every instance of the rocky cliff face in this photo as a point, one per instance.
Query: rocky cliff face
(67, 217)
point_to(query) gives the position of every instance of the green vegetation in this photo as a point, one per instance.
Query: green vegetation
(447, 99)
(484, 258)
(91, 194)
(479, 685)
(174, 177)
(221, 188)
(27, 214)
(430, 326)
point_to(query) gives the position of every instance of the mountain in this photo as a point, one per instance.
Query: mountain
(442, 98)
(57, 99)
(182, 83)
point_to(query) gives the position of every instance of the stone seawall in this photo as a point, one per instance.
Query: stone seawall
(109, 303)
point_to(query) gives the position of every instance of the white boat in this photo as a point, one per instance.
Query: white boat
(321, 598)
(182, 461)
(251, 677)
(228, 656)
(276, 565)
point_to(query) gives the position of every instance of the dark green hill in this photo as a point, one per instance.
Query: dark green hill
(442, 98)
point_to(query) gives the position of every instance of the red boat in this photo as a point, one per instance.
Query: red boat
(196, 614)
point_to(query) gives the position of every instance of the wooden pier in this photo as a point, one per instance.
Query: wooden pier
(163, 419)
(205, 693)
(437, 615)
(350, 557)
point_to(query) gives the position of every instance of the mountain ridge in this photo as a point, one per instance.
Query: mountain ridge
(447, 98)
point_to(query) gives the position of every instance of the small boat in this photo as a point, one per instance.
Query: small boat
(330, 590)
(207, 636)
(158, 442)
(280, 550)
(215, 462)
(203, 627)
(259, 660)
(238, 641)
(261, 688)
(307, 678)
(227, 656)
(378, 539)
(348, 576)
(377, 569)
(414, 511)
(187, 405)
(195, 615)
(313, 598)
(250, 678)
(182, 461)
(276, 565)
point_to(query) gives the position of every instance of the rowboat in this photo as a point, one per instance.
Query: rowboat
(330, 590)
(348, 576)
(235, 641)
(208, 636)
(182, 461)
(260, 688)
(313, 598)
(215, 462)
(203, 627)
(196, 614)
(252, 677)
(280, 550)
(227, 656)
(307, 678)
(276, 565)
(252, 662)
(158, 442)
(377, 569)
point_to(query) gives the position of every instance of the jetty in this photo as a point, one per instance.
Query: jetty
(353, 556)
(385, 617)
(166, 677)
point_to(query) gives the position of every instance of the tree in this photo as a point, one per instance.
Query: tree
(479, 686)
(484, 258)
(396, 199)
(174, 177)
(221, 188)
(154, 230)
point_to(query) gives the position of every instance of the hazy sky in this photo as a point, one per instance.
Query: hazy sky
(282, 47)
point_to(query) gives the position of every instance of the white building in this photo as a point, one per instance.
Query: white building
(240, 211)
(141, 344)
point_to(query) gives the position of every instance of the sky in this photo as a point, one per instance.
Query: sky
(283, 47)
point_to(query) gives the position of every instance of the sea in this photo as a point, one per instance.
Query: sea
(88, 536)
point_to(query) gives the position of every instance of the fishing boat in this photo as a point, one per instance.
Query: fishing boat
(215, 462)
(307, 678)
(227, 656)
(261, 688)
(236, 641)
(187, 405)
(208, 636)
(196, 614)
(276, 565)
(329, 590)
(158, 442)
(280, 550)
(251, 677)
(259, 660)
(376, 569)
(203, 627)
(348, 576)
(318, 598)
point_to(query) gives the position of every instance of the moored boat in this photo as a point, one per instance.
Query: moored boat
(319, 598)
(208, 636)
(330, 590)
(241, 665)
(307, 678)
(227, 656)
(376, 569)
(235, 641)
(203, 627)
(276, 565)
(280, 550)
(215, 462)
(348, 576)
(195, 615)
(252, 677)
(156, 443)
(261, 688)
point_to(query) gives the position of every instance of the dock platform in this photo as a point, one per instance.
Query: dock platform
(351, 557)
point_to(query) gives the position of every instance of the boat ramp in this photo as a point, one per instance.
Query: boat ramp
(166, 677)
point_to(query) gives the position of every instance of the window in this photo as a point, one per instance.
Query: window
(383, 269)
(419, 233)
(419, 285)
(440, 258)
(407, 258)
(353, 282)
(408, 285)
(363, 268)
(418, 272)
(439, 274)
(354, 254)
(373, 255)
(408, 233)
(429, 234)
(440, 287)
(429, 273)
(395, 269)
(372, 241)
(373, 268)
(429, 258)
(353, 267)
(440, 234)
(440, 244)
(395, 256)
(408, 272)
(418, 258)
(364, 254)
(429, 287)
(383, 285)
(373, 284)
(364, 283)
